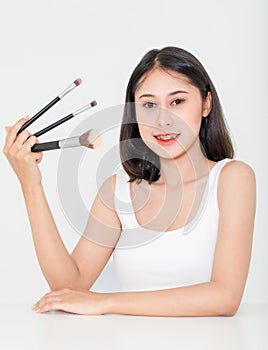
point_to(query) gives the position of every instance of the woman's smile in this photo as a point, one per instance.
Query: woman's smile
(166, 139)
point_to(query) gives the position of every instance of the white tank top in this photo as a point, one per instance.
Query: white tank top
(151, 260)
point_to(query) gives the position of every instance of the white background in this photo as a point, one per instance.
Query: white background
(46, 45)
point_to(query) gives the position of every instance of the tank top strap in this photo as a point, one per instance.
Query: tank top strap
(215, 178)
(208, 208)
(123, 204)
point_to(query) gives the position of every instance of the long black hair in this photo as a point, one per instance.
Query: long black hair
(138, 160)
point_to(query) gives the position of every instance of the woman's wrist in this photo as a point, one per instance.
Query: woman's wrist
(31, 189)
(108, 301)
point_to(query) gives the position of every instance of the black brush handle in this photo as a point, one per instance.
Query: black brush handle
(54, 125)
(45, 146)
(37, 115)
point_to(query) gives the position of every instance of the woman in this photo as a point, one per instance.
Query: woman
(194, 205)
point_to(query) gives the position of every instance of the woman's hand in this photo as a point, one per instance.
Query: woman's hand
(18, 152)
(74, 301)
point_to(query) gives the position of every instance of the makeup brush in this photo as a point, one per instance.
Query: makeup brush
(64, 119)
(50, 104)
(90, 139)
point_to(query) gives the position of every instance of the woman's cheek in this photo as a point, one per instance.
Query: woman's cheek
(191, 123)
(145, 130)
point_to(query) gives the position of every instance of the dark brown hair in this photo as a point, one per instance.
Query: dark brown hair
(138, 160)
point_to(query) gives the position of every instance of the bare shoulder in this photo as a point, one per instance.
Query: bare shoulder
(109, 182)
(236, 169)
(236, 178)
(107, 191)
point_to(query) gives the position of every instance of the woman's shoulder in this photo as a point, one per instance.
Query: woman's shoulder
(106, 191)
(235, 168)
(108, 185)
(113, 184)
(236, 178)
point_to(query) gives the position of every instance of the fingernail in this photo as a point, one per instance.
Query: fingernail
(34, 306)
(26, 117)
(7, 128)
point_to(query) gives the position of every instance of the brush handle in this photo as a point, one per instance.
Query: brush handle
(64, 119)
(54, 125)
(45, 146)
(37, 115)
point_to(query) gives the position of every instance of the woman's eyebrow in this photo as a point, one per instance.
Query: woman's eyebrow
(177, 92)
(170, 94)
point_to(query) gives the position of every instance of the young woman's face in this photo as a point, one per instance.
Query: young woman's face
(169, 112)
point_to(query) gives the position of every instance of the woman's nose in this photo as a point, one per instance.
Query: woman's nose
(164, 117)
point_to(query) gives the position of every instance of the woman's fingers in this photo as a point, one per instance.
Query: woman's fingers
(49, 294)
(18, 152)
(20, 140)
(76, 301)
(50, 301)
(39, 157)
(12, 132)
(22, 145)
(27, 142)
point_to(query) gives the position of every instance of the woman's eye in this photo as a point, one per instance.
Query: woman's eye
(149, 105)
(177, 101)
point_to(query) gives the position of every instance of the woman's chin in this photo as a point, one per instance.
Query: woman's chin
(165, 153)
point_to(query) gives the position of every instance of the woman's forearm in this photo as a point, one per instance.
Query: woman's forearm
(56, 263)
(205, 299)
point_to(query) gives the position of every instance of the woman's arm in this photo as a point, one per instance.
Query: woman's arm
(56, 264)
(204, 299)
(60, 269)
(82, 268)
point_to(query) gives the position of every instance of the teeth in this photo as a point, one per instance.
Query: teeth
(167, 137)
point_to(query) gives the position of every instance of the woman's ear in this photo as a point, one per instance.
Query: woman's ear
(207, 105)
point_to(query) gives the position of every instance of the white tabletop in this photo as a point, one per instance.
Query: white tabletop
(21, 328)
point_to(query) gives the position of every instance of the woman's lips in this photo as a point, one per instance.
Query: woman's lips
(166, 139)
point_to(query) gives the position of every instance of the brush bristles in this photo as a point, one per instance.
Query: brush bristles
(78, 81)
(90, 139)
(93, 103)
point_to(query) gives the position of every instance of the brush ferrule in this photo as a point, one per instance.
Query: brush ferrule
(67, 90)
(70, 142)
(82, 109)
